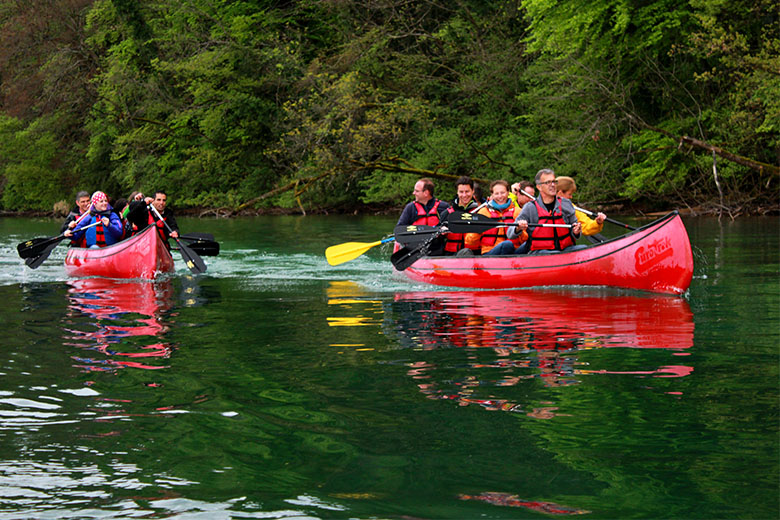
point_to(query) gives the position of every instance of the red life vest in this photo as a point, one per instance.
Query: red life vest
(548, 237)
(81, 242)
(100, 235)
(424, 218)
(455, 241)
(494, 236)
(160, 224)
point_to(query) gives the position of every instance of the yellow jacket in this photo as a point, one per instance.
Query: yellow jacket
(589, 225)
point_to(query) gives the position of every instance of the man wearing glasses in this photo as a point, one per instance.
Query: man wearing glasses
(548, 208)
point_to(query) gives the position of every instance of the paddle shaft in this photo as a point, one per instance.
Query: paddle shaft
(481, 227)
(611, 221)
(590, 214)
(190, 257)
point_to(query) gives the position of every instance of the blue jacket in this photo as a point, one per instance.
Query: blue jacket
(112, 233)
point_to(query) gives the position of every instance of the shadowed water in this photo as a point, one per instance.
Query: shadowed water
(277, 386)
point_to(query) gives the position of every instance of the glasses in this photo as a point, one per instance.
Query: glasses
(549, 183)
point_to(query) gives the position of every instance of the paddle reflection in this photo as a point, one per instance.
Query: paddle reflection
(121, 320)
(490, 348)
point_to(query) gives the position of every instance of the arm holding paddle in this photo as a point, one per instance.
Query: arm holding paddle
(591, 226)
(194, 263)
(598, 216)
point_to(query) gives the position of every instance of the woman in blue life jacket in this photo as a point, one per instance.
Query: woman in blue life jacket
(109, 228)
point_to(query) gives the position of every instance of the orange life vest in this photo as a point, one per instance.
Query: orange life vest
(544, 238)
(494, 236)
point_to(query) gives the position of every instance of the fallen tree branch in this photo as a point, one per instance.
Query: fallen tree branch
(697, 143)
(281, 189)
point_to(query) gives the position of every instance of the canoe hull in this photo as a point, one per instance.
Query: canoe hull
(141, 256)
(656, 258)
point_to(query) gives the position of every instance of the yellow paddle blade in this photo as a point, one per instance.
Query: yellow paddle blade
(347, 251)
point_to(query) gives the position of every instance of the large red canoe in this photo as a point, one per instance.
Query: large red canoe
(656, 257)
(141, 256)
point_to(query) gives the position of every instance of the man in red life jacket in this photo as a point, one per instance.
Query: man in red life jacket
(548, 208)
(463, 202)
(83, 201)
(140, 216)
(425, 209)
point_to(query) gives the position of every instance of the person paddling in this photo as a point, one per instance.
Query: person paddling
(83, 201)
(108, 229)
(140, 216)
(548, 208)
(495, 241)
(566, 188)
(463, 202)
(425, 210)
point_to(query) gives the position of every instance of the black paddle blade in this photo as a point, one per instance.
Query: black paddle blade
(35, 247)
(410, 235)
(194, 263)
(195, 236)
(406, 256)
(34, 262)
(204, 247)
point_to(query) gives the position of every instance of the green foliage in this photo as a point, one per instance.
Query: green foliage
(221, 102)
(31, 179)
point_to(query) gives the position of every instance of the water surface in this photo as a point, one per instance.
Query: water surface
(277, 386)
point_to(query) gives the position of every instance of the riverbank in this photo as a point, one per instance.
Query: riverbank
(634, 210)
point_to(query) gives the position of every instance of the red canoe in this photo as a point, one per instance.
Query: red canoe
(656, 258)
(141, 256)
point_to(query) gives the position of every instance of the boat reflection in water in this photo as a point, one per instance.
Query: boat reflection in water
(494, 348)
(121, 320)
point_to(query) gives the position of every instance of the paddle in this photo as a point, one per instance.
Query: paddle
(590, 214)
(611, 221)
(36, 246)
(202, 243)
(204, 247)
(413, 234)
(194, 262)
(37, 250)
(34, 262)
(347, 251)
(459, 222)
(406, 256)
(195, 236)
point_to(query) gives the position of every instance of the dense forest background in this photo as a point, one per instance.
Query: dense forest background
(340, 105)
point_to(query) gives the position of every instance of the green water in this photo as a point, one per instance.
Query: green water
(277, 386)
